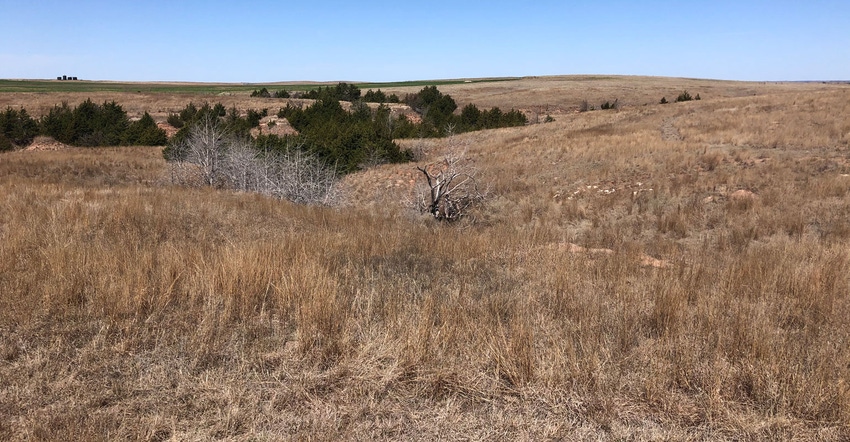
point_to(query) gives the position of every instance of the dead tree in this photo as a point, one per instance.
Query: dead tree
(452, 186)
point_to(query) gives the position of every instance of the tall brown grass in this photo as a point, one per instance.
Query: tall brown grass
(136, 309)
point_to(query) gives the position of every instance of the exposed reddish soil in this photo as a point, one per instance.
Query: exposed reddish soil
(272, 125)
(169, 129)
(45, 143)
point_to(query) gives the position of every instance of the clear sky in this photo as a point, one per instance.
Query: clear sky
(266, 41)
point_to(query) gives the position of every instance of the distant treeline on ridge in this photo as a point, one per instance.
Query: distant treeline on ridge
(347, 140)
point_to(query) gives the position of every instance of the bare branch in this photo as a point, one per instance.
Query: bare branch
(452, 185)
(210, 157)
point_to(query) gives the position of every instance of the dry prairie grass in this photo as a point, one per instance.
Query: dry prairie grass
(554, 95)
(135, 309)
(560, 94)
(159, 105)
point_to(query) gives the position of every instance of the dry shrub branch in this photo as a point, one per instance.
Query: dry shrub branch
(211, 157)
(452, 185)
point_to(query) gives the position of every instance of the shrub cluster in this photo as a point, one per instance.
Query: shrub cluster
(437, 110)
(144, 132)
(91, 124)
(192, 113)
(88, 124)
(17, 128)
(262, 93)
(265, 93)
(347, 139)
(609, 105)
(230, 121)
(340, 92)
(684, 96)
(472, 119)
(584, 106)
(380, 97)
(216, 149)
(211, 155)
(438, 115)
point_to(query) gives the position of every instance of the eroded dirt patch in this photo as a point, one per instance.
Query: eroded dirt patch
(45, 143)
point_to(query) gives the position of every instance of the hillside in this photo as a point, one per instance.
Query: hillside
(137, 309)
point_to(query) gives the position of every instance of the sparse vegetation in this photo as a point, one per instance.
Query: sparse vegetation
(684, 96)
(609, 105)
(585, 106)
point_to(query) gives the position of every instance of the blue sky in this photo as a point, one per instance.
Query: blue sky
(265, 41)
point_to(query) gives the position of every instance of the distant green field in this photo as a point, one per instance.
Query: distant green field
(196, 88)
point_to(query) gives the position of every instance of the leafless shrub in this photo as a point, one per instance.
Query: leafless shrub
(201, 156)
(300, 177)
(211, 157)
(452, 185)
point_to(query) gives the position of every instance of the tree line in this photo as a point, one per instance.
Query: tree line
(340, 92)
(437, 109)
(345, 140)
(88, 124)
(348, 140)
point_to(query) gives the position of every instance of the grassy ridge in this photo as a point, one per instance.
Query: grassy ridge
(47, 86)
(422, 83)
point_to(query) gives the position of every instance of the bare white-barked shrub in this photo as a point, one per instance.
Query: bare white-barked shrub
(211, 157)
